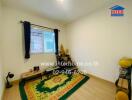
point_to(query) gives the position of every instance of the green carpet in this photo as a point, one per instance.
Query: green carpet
(56, 87)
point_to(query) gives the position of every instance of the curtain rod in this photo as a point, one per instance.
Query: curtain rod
(40, 26)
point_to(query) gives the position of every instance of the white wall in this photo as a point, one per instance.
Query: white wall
(103, 39)
(1, 64)
(13, 42)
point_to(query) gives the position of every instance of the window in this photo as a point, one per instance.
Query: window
(42, 41)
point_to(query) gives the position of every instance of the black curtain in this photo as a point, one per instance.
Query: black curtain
(56, 41)
(27, 37)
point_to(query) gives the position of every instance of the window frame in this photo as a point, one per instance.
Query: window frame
(43, 51)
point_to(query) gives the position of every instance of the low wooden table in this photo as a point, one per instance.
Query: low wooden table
(27, 75)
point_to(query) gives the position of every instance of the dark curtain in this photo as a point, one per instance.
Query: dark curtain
(27, 37)
(56, 40)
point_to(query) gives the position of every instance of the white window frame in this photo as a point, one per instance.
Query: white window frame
(43, 51)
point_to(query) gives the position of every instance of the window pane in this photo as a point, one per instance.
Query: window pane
(36, 41)
(42, 41)
(49, 42)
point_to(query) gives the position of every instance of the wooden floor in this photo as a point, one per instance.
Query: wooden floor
(93, 89)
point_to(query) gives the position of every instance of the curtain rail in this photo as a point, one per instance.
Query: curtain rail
(40, 26)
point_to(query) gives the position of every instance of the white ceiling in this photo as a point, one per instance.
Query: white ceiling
(60, 10)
